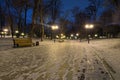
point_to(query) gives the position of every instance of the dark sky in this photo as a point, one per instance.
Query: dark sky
(69, 4)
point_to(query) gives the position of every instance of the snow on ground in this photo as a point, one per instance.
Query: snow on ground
(109, 49)
(59, 61)
(5, 43)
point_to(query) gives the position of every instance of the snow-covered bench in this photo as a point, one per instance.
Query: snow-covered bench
(21, 42)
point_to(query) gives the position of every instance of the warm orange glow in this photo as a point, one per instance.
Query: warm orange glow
(6, 30)
(89, 26)
(55, 27)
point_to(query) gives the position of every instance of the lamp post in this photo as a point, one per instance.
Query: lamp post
(17, 33)
(77, 34)
(54, 27)
(22, 34)
(71, 36)
(88, 26)
(5, 31)
(2, 33)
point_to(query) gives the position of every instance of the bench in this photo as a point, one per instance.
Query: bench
(22, 42)
(61, 40)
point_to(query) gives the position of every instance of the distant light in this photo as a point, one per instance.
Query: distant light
(71, 35)
(22, 34)
(6, 30)
(86, 26)
(89, 35)
(96, 35)
(75, 37)
(14, 36)
(16, 31)
(77, 34)
(57, 36)
(91, 26)
(61, 34)
(2, 32)
(55, 27)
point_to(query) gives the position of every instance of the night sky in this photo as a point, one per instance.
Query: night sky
(69, 4)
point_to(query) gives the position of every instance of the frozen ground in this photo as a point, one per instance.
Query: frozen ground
(70, 60)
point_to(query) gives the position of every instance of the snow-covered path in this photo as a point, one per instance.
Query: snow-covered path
(70, 60)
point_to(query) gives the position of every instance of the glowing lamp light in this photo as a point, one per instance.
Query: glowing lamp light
(22, 34)
(17, 31)
(55, 27)
(71, 35)
(96, 35)
(5, 30)
(87, 26)
(91, 26)
(61, 34)
(2, 32)
(57, 36)
(77, 34)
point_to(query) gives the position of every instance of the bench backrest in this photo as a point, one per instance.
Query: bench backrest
(23, 40)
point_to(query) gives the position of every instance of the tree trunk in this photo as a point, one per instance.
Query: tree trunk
(41, 20)
(25, 28)
(10, 18)
(33, 17)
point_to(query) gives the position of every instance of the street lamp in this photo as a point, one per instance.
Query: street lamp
(16, 31)
(2, 33)
(96, 35)
(22, 34)
(91, 26)
(77, 34)
(54, 27)
(57, 36)
(5, 31)
(88, 26)
(71, 35)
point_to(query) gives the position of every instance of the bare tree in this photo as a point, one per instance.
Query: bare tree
(93, 8)
(21, 7)
(80, 18)
(55, 9)
(63, 20)
(1, 18)
(35, 6)
(8, 4)
(41, 19)
(106, 17)
(114, 4)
